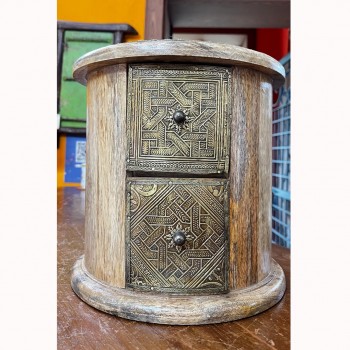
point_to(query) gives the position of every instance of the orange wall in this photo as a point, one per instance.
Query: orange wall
(60, 161)
(105, 11)
(131, 12)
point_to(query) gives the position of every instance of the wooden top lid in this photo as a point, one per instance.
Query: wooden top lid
(179, 51)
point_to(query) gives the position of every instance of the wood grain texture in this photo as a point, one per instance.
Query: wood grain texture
(80, 326)
(178, 51)
(250, 178)
(106, 175)
(154, 22)
(263, 250)
(255, 282)
(164, 308)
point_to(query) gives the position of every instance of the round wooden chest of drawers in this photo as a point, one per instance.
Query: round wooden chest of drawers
(178, 182)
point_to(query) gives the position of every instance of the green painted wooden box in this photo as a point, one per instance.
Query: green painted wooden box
(72, 94)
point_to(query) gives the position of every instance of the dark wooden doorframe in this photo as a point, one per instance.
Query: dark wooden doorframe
(158, 26)
(159, 13)
(155, 19)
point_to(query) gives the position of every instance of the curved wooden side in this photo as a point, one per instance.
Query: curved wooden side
(176, 309)
(250, 178)
(106, 175)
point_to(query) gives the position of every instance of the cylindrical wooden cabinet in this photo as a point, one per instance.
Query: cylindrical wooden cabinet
(178, 182)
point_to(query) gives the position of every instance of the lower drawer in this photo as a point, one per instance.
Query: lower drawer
(177, 235)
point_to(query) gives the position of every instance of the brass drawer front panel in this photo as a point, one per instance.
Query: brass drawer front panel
(162, 214)
(197, 142)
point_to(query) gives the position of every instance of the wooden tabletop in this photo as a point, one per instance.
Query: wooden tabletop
(82, 327)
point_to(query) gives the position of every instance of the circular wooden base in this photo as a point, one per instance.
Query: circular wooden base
(179, 309)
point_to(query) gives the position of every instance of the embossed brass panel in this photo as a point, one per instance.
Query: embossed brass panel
(198, 141)
(177, 235)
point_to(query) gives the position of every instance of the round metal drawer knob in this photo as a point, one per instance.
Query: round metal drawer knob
(179, 238)
(179, 117)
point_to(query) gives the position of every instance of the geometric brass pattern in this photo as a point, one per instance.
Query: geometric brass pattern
(155, 92)
(156, 208)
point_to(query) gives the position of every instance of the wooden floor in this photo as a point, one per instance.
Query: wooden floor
(83, 327)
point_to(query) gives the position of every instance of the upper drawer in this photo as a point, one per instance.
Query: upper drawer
(178, 118)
